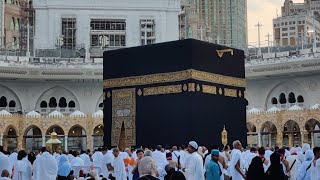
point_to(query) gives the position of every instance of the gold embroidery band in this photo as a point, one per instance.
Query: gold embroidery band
(209, 89)
(230, 92)
(174, 77)
(162, 90)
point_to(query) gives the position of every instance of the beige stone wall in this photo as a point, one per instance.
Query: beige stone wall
(21, 124)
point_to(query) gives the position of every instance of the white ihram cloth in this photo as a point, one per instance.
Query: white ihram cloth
(119, 169)
(45, 167)
(315, 170)
(194, 167)
(161, 161)
(22, 170)
(13, 158)
(303, 173)
(77, 161)
(5, 163)
(248, 158)
(175, 155)
(295, 167)
(235, 157)
(96, 158)
(70, 157)
(107, 158)
(86, 159)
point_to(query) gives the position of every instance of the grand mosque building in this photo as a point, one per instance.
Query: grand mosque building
(61, 89)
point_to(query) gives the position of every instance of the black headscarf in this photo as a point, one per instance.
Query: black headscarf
(256, 170)
(275, 171)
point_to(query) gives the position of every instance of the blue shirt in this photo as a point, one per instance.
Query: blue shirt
(212, 171)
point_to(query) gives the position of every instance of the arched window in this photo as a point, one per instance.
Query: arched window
(63, 102)
(282, 98)
(13, 22)
(292, 98)
(3, 102)
(72, 104)
(300, 99)
(12, 104)
(43, 104)
(274, 100)
(53, 102)
(17, 25)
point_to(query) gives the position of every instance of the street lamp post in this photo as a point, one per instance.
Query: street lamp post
(258, 26)
(59, 43)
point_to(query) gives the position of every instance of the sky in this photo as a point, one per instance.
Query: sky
(262, 11)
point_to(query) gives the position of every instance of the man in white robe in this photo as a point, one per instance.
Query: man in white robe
(45, 166)
(161, 160)
(77, 161)
(13, 158)
(118, 166)
(4, 162)
(86, 159)
(70, 156)
(96, 158)
(106, 158)
(304, 172)
(294, 163)
(315, 167)
(194, 163)
(177, 156)
(249, 156)
(235, 164)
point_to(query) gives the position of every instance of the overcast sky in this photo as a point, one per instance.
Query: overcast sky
(262, 11)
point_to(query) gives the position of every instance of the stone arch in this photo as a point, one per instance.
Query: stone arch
(285, 87)
(10, 95)
(58, 93)
(312, 126)
(77, 138)
(55, 128)
(10, 141)
(97, 136)
(251, 127)
(268, 134)
(99, 103)
(33, 138)
(291, 133)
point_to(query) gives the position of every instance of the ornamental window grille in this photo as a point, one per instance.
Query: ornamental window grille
(108, 33)
(148, 32)
(69, 33)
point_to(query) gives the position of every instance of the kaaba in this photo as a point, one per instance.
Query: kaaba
(174, 92)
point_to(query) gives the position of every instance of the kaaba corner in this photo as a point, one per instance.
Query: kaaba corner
(171, 93)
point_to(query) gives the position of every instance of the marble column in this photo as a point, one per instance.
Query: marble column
(312, 140)
(1, 139)
(270, 140)
(279, 139)
(302, 138)
(305, 136)
(259, 139)
(43, 140)
(291, 138)
(66, 142)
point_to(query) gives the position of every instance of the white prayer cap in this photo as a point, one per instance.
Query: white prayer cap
(305, 147)
(193, 144)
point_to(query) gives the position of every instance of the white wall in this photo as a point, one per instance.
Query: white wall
(49, 14)
(88, 93)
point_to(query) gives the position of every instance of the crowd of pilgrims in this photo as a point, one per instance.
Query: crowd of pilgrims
(191, 163)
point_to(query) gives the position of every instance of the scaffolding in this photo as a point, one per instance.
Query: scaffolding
(26, 27)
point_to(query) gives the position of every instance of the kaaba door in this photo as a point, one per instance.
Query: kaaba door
(123, 118)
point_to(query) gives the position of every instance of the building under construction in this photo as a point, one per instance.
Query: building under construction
(219, 21)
